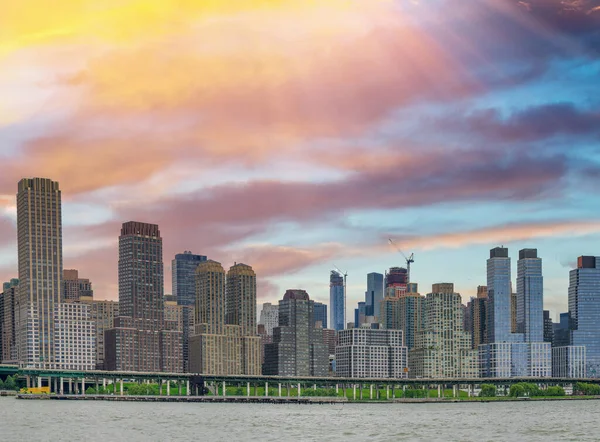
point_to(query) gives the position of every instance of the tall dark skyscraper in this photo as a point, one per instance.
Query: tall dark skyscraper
(321, 314)
(336, 301)
(584, 310)
(141, 286)
(184, 277)
(39, 238)
(530, 296)
(139, 340)
(298, 348)
(374, 295)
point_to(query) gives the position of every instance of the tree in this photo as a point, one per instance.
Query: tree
(10, 383)
(555, 391)
(488, 390)
(517, 390)
(1, 384)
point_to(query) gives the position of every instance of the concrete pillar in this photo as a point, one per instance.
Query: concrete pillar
(439, 391)
(371, 391)
(280, 390)
(387, 392)
(454, 388)
(315, 387)
(180, 387)
(248, 389)
(187, 388)
(266, 389)
(28, 381)
(299, 391)
(224, 389)
(168, 387)
(104, 383)
(62, 386)
(83, 386)
(337, 389)
(97, 385)
(39, 382)
(354, 391)
(121, 390)
(55, 385)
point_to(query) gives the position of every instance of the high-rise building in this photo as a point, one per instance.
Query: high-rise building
(513, 313)
(74, 287)
(584, 310)
(336, 300)
(530, 295)
(219, 347)
(320, 314)
(508, 354)
(298, 348)
(548, 327)
(374, 295)
(75, 336)
(561, 334)
(499, 295)
(8, 336)
(184, 277)
(370, 353)
(139, 340)
(39, 238)
(405, 312)
(103, 314)
(360, 314)
(478, 314)
(443, 349)
(269, 317)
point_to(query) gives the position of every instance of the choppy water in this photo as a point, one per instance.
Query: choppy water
(132, 422)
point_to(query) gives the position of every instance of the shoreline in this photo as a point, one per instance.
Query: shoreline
(288, 400)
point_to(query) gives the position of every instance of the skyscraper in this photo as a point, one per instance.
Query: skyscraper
(404, 312)
(39, 238)
(241, 298)
(336, 300)
(443, 349)
(320, 314)
(103, 314)
(530, 295)
(139, 340)
(184, 277)
(584, 310)
(218, 347)
(508, 354)
(141, 282)
(8, 336)
(374, 295)
(548, 327)
(499, 293)
(298, 348)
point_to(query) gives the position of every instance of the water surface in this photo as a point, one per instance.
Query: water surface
(24, 420)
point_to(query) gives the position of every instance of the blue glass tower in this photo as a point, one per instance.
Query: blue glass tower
(374, 295)
(499, 293)
(530, 296)
(584, 310)
(336, 300)
(184, 277)
(320, 314)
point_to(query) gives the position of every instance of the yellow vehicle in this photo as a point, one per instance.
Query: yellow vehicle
(40, 390)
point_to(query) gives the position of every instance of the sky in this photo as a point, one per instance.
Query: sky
(299, 135)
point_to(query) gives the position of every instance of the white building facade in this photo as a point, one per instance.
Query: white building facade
(569, 362)
(75, 337)
(371, 353)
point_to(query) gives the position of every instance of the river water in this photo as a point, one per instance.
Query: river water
(136, 421)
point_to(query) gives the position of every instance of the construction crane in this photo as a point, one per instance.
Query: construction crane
(409, 260)
(345, 275)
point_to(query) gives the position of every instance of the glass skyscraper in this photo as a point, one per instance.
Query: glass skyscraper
(184, 277)
(584, 310)
(374, 295)
(499, 292)
(530, 296)
(336, 300)
(321, 314)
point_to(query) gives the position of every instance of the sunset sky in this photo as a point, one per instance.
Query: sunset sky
(294, 135)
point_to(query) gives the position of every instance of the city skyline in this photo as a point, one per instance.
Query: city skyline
(292, 152)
